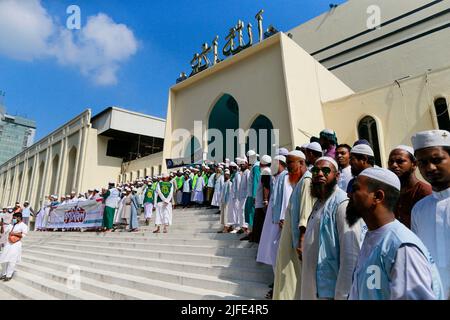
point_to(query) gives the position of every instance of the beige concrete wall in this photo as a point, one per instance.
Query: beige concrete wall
(143, 167)
(350, 19)
(21, 186)
(400, 111)
(99, 169)
(307, 85)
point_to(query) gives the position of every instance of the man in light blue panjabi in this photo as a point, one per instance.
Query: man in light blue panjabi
(393, 263)
(330, 246)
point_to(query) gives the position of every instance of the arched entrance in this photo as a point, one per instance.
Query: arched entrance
(223, 116)
(367, 129)
(262, 139)
(71, 169)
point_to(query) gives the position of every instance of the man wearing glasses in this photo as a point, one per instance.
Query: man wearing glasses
(330, 246)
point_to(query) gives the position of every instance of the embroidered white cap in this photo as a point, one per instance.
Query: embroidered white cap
(405, 148)
(383, 175)
(282, 152)
(330, 160)
(363, 149)
(266, 159)
(280, 158)
(431, 138)
(314, 146)
(297, 154)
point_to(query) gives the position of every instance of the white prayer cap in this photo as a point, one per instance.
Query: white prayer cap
(266, 171)
(67, 195)
(431, 138)
(314, 146)
(251, 153)
(90, 190)
(304, 146)
(26, 201)
(297, 154)
(165, 175)
(330, 160)
(220, 168)
(266, 159)
(282, 152)
(73, 192)
(405, 148)
(383, 175)
(233, 164)
(363, 149)
(280, 158)
(227, 171)
(206, 167)
(97, 189)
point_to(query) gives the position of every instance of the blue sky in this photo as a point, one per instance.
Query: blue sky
(167, 34)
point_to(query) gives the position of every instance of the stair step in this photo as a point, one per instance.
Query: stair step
(262, 274)
(21, 291)
(53, 288)
(105, 291)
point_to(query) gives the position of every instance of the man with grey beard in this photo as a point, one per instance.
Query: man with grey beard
(330, 246)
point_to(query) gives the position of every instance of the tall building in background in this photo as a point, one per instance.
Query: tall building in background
(16, 133)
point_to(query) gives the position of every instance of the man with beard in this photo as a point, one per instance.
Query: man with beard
(361, 158)
(403, 163)
(393, 264)
(345, 170)
(296, 199)
(431, 216)
(330, 246)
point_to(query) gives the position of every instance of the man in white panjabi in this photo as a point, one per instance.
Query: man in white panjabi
(236, 180)
(226, 211)
(12, 251)
(164, 204)
(198, 196)
(268, 246)
(330, 246)
(218, 186)
(431, 215)
(243, 190)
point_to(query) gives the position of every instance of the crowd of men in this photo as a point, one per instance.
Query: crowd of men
(331, 223)
(334, 225)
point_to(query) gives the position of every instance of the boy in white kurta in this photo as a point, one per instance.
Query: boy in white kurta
(12, 252)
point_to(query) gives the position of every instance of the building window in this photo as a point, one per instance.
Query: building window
(367, 129)
(443, 118)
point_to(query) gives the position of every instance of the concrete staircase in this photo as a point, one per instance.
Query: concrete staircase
(192, 261)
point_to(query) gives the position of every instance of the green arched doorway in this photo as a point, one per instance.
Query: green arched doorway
(223, 116)
(264, 138)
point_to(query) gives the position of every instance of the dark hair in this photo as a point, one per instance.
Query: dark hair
(370, 160)
(446, 149)
(391, 194)
(317, 154)
(17, 215)
(298, 148)
(344, 145)
(314, 139)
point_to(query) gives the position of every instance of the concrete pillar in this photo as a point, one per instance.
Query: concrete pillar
(32, 182)
(63, 164)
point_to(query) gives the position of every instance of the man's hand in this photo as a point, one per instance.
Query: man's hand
(300, 253)
(281, 223)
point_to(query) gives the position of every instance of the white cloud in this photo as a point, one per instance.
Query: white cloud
(27, 32)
